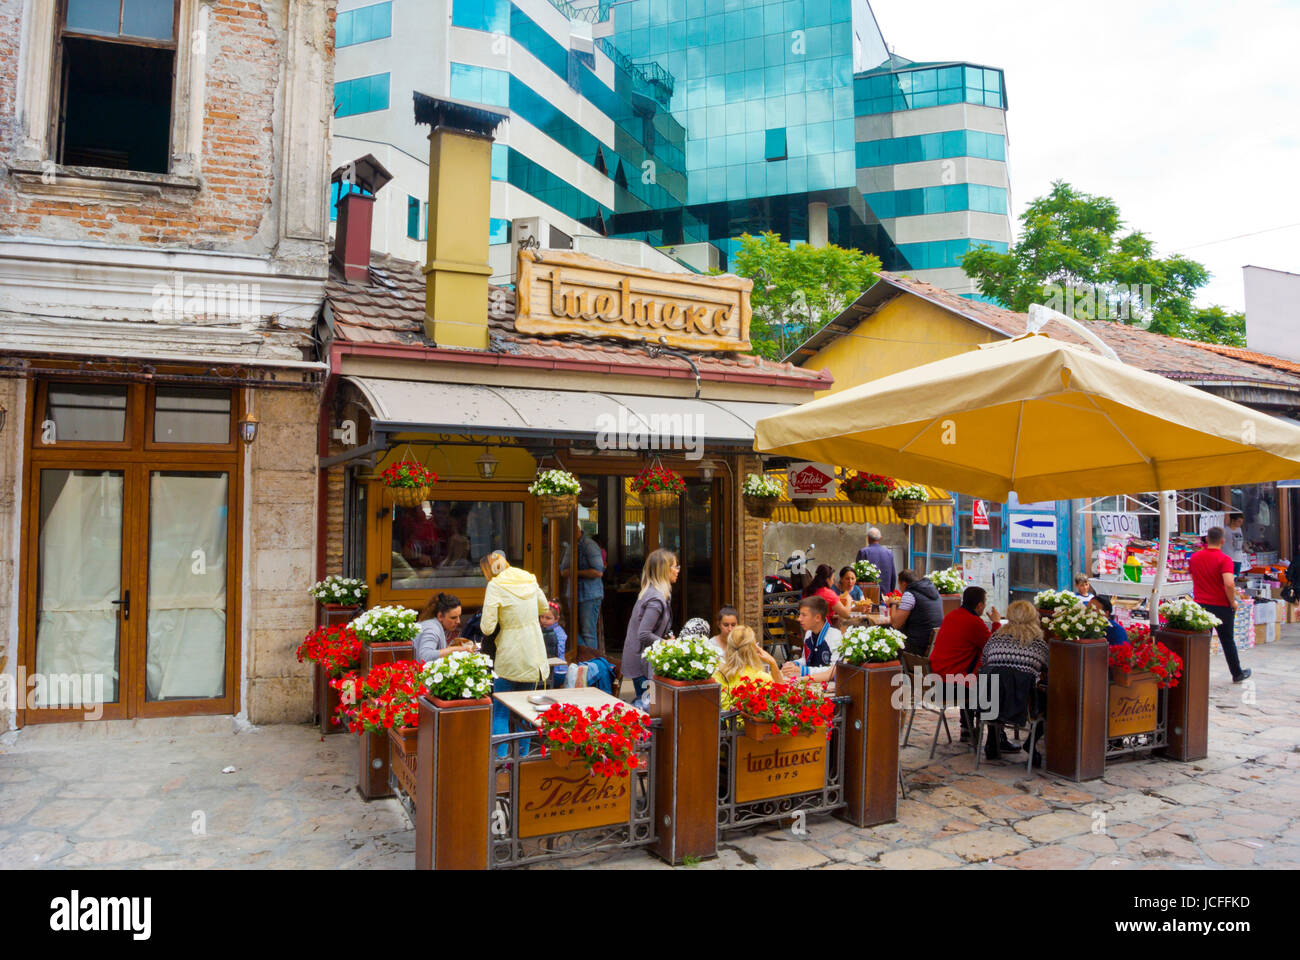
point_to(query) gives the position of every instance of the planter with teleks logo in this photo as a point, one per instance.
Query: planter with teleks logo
(1188, 704)
(686, 768)
(872, 723)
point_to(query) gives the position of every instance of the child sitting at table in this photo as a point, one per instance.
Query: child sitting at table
(745, 660)
(553, 635)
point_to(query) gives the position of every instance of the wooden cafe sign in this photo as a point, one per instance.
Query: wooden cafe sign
(554, 799)
(562, 292)
(779, 766)
(1133, 708)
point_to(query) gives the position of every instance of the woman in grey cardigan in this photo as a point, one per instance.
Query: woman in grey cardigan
(439, 618)
(652, 617)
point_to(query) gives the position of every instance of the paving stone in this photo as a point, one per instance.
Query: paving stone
(1094, 843)
(1054, 826)
(1054, 857)
(916, 858)
(984, 788)
(1229, 853)
(14, 809)
(982, 845)
(60, 813)
(1191, 794)
(91, 852)
(31, 849)
(789, 856)
(1164, 844)
(1026, 804)
(117, 818)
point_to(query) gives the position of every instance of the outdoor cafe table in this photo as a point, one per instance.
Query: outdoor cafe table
(517, 700)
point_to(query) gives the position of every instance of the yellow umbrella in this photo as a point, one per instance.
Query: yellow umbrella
(1044, 418)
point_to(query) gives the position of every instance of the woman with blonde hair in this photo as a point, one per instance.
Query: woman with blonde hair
(652, 616)
(745, 660)
(514, 602)
(1015, 658)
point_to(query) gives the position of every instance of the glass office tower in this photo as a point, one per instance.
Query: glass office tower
(681, 122)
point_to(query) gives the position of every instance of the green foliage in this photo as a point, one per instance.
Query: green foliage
(1074, 256)
(809, 287)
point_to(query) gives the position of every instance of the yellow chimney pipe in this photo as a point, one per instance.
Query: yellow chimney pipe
(460, 183)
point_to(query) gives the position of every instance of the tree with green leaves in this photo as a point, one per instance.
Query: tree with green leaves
(1074, 255)
(798, 287)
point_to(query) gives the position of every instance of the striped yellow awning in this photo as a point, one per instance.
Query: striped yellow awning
(840, 509)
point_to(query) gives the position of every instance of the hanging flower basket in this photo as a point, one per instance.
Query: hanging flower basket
(804, 505)
(907, 500)
(557, 493)
(410, 482)
(557, 508)
(868, 489)
(761, 494)
(657, 487)
(868, 498)
(907, 509)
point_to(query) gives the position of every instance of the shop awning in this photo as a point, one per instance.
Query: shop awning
(840, 509)
(414, 405)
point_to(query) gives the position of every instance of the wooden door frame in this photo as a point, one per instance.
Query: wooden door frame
(136, 463)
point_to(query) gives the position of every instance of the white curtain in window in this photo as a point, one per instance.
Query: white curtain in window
(81, 574)
(187, 586)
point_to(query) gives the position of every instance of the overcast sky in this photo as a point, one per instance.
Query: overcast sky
(1186, 113)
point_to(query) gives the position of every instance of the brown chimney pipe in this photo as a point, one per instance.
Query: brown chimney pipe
(352, 236)
(356, 215)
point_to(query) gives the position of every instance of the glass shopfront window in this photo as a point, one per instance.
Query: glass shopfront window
(1032, 572)
(931, 547)
(968, 536)
(438, 545)
(1258, 504)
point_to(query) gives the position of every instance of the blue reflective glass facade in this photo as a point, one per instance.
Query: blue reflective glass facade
(932, 146)
(729, 117)
(742, 69)
(913, 88)
(941, 253)
(943, 199)
(362, 95)
(364, 24)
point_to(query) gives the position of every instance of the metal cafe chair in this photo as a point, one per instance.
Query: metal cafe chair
(912, 663)
(1036, 713)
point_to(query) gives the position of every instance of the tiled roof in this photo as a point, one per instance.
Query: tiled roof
(1171, 357)
(390, 310)
(1249, 356)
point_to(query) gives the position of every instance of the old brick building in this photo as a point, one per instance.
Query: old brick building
(163, 256)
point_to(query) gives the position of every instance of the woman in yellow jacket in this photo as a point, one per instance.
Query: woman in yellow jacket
(514, 601)
(745, 660)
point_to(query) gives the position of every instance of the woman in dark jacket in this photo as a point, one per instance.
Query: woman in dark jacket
(652, 616)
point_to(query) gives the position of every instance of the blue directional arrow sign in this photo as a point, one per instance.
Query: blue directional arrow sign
(1030, 531)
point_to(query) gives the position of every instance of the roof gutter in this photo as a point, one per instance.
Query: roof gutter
(339, 350)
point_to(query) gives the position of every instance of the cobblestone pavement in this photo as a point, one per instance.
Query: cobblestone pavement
(135, 795)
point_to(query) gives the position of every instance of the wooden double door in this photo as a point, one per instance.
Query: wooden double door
(130, 553)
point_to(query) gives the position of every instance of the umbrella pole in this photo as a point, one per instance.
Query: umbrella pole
(1167, 503)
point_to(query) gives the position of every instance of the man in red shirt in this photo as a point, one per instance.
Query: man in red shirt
(960, 641)
(1214, 588)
